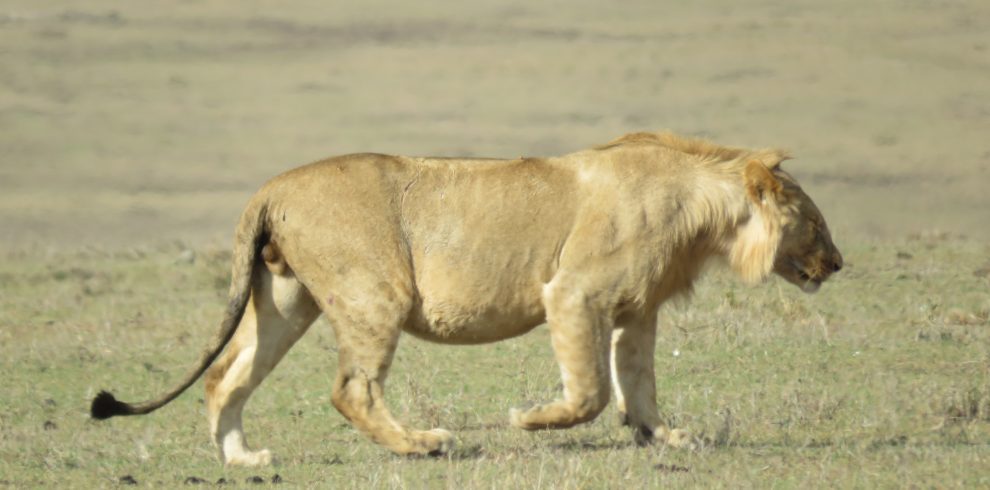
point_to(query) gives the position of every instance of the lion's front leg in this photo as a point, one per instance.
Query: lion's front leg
(580, 336)
(634, 379)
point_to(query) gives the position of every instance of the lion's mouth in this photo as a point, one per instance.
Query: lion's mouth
(811, 286)
(807, 283)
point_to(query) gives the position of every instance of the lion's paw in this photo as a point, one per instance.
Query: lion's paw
(436, 442)
(250, 458)
(516, 418)
(676, 438)
(523, 418)
(441, 442)
(682, 439)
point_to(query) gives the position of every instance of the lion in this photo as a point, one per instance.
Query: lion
(469, 251)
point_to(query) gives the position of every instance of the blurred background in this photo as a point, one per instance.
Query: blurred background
(128, 124)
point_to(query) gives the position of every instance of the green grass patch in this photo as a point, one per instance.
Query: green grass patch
(878, 380)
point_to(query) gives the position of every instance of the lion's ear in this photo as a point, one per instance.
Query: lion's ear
(761, 184)
(771, 157)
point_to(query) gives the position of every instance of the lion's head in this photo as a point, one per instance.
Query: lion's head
(807, 256)
(786, 233)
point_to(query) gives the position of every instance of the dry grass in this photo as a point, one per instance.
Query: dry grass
(872, 382)
(125, 123)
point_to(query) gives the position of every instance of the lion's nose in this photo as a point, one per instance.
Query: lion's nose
(837, 263)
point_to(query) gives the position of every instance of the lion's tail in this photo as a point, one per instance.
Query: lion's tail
(248, 240)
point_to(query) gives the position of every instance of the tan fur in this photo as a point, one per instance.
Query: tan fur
(699, 147)
(466, 251)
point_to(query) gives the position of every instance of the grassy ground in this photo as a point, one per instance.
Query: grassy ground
(878, 380)
(125, 124)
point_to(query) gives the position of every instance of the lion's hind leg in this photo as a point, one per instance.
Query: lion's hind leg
(367, 335)
(279, 312)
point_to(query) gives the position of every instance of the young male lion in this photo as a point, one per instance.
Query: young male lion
(467, 251)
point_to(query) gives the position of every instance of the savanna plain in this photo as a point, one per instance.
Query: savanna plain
(131, 136)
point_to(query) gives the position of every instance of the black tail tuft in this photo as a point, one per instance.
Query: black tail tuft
(105, 406)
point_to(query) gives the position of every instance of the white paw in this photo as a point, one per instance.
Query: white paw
(515, 418)
(446, 441)
(250, 458)
(681, 439)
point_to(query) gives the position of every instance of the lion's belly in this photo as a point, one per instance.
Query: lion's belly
(448, 324)
(471, 291)
(475, 312)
